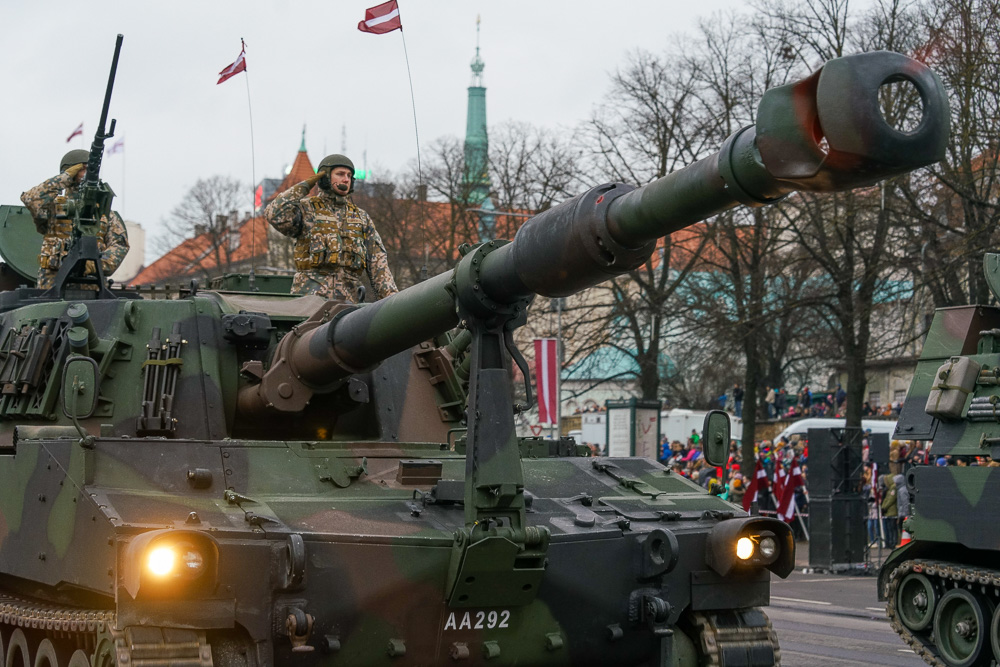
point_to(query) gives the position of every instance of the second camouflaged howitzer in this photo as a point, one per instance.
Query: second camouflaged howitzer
(248, 479)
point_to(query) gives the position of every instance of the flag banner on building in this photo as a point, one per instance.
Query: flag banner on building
(116, 147)
(76, 133)
(785, 484)
(239, 65)
(759, 480)
(547, 379)
(381, 19)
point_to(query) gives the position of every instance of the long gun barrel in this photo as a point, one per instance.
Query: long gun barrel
(97, 200)
(823, 134)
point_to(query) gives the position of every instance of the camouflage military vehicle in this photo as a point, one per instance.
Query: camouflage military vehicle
(245, 478)
(943, 587)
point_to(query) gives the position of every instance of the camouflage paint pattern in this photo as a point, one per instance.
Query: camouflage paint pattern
(336, 243)
(45, 201)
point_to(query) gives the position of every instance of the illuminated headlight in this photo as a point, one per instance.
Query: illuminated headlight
(161, 561)
(170, 563)
(744, 548)
(180, 560)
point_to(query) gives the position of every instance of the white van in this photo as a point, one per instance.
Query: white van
(802, 426)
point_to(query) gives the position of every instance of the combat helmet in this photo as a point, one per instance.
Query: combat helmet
(75, 156)
(331, 161)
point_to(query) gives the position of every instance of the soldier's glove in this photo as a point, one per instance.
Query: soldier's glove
(75, 169)
(312, 180)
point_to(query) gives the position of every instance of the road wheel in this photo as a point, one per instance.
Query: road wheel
(915, 602)
(960, 628)
(50, 655)
(79, 659)
(18, 653)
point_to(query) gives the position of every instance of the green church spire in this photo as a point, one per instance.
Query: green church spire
(477, 178)
(302, 148)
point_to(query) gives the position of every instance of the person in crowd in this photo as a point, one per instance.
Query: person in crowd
(868, 492)
(890, 511)
(902, 503)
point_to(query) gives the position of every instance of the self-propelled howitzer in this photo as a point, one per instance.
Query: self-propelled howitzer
(293, 484)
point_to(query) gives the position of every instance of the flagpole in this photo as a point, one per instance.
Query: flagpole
(416, 135)
(253, 177)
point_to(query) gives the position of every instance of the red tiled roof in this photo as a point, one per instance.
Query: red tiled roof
(195, 256)
(301, 170)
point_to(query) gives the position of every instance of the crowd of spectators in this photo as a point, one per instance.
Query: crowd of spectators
(882, 487)
(779, 404)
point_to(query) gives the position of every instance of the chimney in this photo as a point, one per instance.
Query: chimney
(421, 192)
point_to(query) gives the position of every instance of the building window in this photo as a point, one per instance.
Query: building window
(899, 396)
(875, 399)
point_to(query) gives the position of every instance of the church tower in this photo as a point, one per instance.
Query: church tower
(477, 177)
(476, 142)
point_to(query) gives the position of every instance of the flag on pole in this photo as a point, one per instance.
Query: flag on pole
(116, 147)
(759, 480)
(785, 493)
(240, 65)
(76, 133)
(381, 19)
(547, 379)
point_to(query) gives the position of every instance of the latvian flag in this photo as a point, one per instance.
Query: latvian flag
(784, 490)
(381, 19)
(547, 379)
(78, 132)
(759, 480)
(240, 65)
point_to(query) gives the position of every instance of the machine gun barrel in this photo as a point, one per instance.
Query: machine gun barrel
(822, 134)
(97, 146)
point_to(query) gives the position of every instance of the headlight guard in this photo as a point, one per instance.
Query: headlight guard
(722, 541)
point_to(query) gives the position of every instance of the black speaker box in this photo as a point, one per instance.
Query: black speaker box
(835, 464)
(837, 531)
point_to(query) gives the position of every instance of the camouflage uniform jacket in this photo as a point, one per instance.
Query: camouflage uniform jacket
(335, 243)
(43, 200)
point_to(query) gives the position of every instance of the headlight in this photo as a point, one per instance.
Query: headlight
(768, 547)
(161, 561)
(178, 560)
(744, 548)
(170, 563)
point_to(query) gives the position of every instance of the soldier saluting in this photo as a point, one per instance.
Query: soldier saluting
(47, 203)
(335, 241)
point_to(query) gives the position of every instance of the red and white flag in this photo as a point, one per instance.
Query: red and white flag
(116, 147)
(78, 132)
(547, 379)
(753, 489)
(784, 490)
(381, 19)
(240, 65)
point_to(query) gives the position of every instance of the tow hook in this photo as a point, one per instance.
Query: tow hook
(299, 625)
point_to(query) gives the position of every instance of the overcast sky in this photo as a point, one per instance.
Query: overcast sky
(547, 62)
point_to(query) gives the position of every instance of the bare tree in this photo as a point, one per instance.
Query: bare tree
(204, 230)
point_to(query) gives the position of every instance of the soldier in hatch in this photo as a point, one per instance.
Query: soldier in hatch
(335, 241)
(45, 200)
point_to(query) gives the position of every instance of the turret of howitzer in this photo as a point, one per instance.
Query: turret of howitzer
(822, 134)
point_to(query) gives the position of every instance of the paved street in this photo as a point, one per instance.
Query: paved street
(834, 620)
